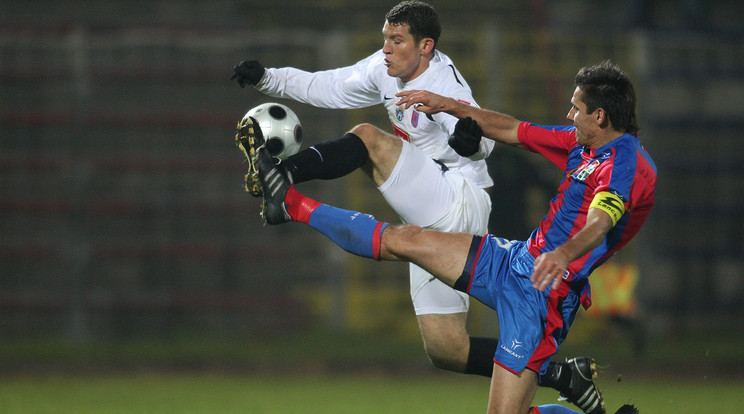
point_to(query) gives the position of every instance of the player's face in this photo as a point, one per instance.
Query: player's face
(584, 122)
(403, 55)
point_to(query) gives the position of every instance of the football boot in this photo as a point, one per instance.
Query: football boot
(249, 139)
(579, 388)
(274, 183)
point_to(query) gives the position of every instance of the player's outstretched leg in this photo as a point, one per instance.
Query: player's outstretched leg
(354, 232)
(574, 378)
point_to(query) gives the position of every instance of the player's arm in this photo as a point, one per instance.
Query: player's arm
(604, 212)
(495, 125)
(341, 88)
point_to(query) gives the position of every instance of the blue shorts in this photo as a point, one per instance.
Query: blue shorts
(531, 323)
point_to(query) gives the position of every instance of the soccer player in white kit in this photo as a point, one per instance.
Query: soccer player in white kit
(416, 170)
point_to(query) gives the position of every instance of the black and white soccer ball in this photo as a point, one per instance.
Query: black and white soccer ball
(280, 126)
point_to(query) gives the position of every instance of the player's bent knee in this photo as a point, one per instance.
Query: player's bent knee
(368, 133)
(443, 360)
(445, 354)
(446, 340)
(377, 141)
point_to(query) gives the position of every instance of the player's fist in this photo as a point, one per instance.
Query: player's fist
(248, 72)
(466, 138)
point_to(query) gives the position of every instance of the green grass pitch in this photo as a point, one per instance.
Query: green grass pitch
(327, 394)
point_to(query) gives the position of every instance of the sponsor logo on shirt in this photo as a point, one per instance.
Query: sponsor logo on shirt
(414, 119)
(581, 173)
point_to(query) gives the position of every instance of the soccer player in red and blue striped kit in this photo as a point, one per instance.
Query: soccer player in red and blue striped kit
(536, 286)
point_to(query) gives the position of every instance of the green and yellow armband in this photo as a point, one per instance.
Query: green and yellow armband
(610, 203)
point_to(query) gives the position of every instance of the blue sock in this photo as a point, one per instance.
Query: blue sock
(354, 232)
(555, 409)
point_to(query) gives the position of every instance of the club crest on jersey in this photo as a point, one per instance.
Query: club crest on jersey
(399, 113)
(414, 119)
(581, 173)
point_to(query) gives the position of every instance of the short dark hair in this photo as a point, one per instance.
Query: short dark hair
(606, 86)
(421, 18)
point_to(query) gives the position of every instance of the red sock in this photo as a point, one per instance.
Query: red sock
(299, 207)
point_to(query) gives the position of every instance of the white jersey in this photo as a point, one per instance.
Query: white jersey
(367, 83)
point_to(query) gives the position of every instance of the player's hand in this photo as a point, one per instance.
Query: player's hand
(549, 270)
(248, 72)
(424, 101)
(466, 138)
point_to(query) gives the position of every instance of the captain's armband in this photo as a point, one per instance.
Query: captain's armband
(610, 203)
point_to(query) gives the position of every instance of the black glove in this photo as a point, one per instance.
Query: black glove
(248, 72)
(466, 138)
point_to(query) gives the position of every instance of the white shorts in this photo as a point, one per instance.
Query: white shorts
(422, 194)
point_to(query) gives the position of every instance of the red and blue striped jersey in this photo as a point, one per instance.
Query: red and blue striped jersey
(622, 167)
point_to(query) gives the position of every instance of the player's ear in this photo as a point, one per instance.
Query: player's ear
(426, 45)
(601, 117)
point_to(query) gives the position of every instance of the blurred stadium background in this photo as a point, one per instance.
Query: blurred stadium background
(126, 239)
